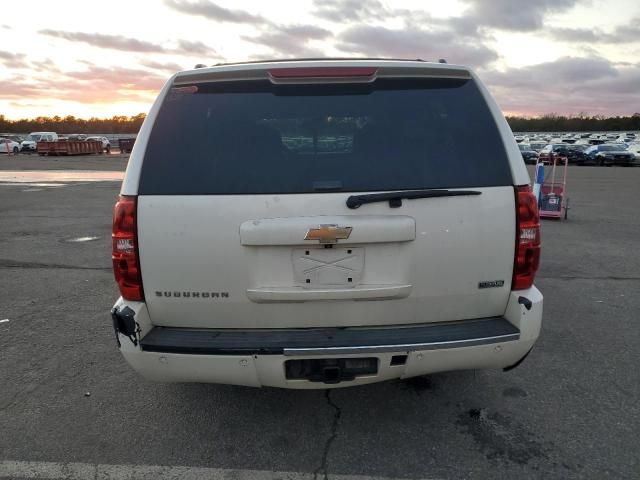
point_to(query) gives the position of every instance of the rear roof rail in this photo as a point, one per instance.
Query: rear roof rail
(317, 59)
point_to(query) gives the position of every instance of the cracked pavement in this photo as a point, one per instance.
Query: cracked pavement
(323, 468)
(569, 411)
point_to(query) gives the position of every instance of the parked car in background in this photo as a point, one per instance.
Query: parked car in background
(9, 146)
(81, 137)
(611, 154)
(29, 144)
(575, 153)
(106, 144)
(529, 155)
(635, 149)
(537, 146)
(11, 136)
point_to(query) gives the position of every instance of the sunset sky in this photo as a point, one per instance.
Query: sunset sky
(98, 58)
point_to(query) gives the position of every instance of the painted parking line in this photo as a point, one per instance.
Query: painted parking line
(30, 184)
(86, 471)
(40, 176)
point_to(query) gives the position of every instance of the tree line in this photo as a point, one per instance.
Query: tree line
(123, 124)
(573, 123)
(71, 124)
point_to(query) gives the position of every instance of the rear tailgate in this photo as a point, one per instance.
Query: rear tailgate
(243, 219)
(204, 269)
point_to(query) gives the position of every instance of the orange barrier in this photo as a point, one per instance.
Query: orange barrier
(69, 148)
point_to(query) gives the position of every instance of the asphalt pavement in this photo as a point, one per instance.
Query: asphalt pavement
(70, 407)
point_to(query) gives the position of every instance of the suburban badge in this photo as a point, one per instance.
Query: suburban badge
(191, 294)
(491, 284)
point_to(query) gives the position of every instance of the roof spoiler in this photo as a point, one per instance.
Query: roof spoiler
(321, 72)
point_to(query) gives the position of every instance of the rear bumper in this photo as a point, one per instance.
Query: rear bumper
(257, 357)
(330, 341)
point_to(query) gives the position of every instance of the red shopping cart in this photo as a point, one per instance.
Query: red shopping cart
(554, 202)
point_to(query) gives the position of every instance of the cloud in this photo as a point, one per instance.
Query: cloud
(115, 42)
(344, 11)
(305, 32)
(13, 60)
(414, 43)
(568, 85)
(291, 41)
(212, 11)
(195, 48)
(281, 46)
(29, 105)
(500, 14)
(118, 78)
(92, 85)
(19, 88)
(589, 35)
(629, 33)
(118, 42)
(165, 67)
(569, 72)
(519, 16)
(46, 65)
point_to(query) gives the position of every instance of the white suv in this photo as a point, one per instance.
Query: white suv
(30, 143)
(324, 223)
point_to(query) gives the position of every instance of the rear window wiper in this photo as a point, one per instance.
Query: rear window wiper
(395, 198)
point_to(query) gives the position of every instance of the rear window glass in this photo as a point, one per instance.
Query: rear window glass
(256, 137)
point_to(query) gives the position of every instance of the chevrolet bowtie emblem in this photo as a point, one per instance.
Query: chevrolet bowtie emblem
(328, 233)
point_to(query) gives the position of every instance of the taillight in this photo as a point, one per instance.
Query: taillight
(124, 253)
(527, 253)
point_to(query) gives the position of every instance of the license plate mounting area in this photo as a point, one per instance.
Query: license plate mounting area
(339, 267)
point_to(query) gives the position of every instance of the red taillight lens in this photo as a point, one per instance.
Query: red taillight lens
(124, 253)
(527, 254)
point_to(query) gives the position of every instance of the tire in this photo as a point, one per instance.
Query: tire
(16, 150)
(108, 149)
(566, 208)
